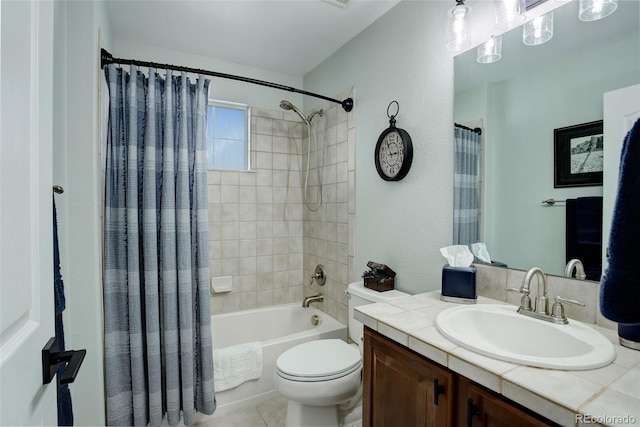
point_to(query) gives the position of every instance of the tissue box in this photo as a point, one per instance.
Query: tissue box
(459, 284)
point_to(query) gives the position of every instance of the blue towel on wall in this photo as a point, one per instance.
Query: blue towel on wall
(620, 285)
(65, 409)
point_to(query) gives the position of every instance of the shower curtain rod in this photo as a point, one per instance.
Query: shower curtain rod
(106, 58)
(476, 130)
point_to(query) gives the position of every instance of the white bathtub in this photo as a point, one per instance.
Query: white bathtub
(278, 328)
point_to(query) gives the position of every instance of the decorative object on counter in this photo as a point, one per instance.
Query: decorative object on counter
(394, 150)
(578, 155)
(380, 278)
(458, 276)
(620, 283)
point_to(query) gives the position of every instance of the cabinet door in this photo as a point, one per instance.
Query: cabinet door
(484, 409)
(403, 389)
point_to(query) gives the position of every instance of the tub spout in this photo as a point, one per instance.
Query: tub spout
(308, 300)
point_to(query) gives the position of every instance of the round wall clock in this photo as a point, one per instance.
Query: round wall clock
(394, 150)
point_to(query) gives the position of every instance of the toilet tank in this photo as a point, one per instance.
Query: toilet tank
(358, 295)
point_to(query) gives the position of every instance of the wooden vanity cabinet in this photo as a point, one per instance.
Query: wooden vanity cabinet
(479, 407)
(404, 389)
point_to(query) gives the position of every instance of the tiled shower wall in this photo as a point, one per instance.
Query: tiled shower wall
(261, 233)
(329, 232)
(255, 218)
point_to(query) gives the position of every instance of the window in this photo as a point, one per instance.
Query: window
(227, 136)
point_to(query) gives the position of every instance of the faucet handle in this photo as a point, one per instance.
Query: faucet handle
(525, 301)
(557, 311)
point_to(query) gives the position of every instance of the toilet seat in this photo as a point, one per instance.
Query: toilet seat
(320, 360)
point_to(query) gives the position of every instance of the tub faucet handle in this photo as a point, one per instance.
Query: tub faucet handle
(318, 275)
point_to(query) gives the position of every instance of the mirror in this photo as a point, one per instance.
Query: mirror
(520, 100)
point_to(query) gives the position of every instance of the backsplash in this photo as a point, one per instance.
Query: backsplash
(492, 281)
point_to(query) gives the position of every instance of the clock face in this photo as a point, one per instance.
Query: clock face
(394, 153)
(391, 154)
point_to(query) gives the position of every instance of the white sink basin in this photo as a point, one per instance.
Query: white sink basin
(498, 331)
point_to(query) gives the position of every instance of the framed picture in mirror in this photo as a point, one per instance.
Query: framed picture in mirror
(578, 155)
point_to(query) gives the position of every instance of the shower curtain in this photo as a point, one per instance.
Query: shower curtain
(465, 188)
(158, 350)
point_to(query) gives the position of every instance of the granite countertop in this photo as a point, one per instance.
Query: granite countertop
(607, 396)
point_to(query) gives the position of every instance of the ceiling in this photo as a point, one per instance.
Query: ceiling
(288, 36)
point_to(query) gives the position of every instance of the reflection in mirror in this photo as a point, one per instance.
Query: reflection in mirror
(519, 101)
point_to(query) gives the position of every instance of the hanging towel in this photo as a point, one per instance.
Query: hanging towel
(236, 364)
(589, 220)
(584, 234)
(620, 285)
(65, 409)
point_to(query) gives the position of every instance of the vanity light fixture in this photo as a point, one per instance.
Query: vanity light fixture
(490, 51)
(509, 13)
(539, 30)
(592, 10)
(457, 31)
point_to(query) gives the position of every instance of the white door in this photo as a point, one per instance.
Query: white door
(621, 110)
(26, 257)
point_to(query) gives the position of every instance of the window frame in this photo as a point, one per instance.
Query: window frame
(247, 131)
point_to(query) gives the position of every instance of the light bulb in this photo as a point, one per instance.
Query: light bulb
(539, 30)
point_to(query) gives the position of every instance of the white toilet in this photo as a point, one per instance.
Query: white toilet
(318, 377)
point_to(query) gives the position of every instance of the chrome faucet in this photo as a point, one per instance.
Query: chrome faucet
(541, 305)
(540, 309)
(308, 300)
(577, 265)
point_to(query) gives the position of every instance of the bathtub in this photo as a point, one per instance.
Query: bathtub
(278, 328)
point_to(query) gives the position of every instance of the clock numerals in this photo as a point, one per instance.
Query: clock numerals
(391, 154)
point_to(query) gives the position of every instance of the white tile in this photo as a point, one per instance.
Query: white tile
(229, 178)
(534, 402)
(475, 373)
(229, 194)
(429, 343)
(430, 311)
(410, 303)
(603, 376)
(613, 407)
(625, 356)
(393, 333)
(629, 383)
(567, 390)
(406, 321)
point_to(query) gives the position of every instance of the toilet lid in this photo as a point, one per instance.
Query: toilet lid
(321, 359)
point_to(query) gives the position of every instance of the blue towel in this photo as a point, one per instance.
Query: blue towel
(620, 285)
(589, 220)
(65, 409)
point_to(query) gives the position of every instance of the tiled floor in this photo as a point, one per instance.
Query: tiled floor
(268, 414)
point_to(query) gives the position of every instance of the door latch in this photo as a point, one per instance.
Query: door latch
(52, 357)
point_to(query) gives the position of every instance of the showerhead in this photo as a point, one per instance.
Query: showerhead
(319, 112)
(286, 105)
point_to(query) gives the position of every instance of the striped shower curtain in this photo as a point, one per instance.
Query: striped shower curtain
(465, 188)
(158, 350)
